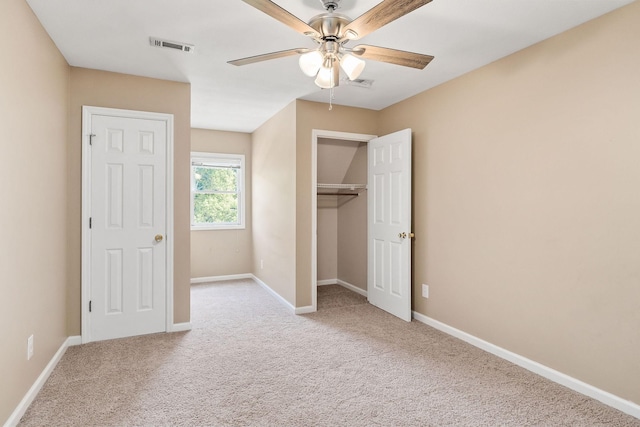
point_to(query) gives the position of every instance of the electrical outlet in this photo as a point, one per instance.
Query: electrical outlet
(261, 264)
(425, 290)
(30, 347)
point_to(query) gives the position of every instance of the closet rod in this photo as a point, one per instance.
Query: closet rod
(343, 186)
(338, 194)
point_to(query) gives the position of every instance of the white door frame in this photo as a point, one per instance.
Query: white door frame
(315, 135)
(85, 277)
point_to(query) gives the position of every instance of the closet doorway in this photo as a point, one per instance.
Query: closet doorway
(339, 217)
(361, 237)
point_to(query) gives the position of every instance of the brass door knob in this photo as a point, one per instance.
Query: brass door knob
(158, 238)
(402, 235)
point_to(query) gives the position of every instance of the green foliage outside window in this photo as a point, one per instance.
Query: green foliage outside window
(215, 195)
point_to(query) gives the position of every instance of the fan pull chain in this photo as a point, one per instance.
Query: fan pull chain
(330, 99)
(331, 91)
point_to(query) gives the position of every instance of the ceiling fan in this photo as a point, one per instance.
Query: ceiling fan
(332, 31)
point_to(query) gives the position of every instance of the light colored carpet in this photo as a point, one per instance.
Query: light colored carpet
(336, 296)
(249, 362)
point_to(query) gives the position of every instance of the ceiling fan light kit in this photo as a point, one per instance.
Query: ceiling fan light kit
(329, 75)
(352, 66)
(331, 31)
(311, 62)
(326, 60)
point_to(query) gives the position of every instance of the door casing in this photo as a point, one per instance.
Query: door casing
(87, 113)
(315, 135)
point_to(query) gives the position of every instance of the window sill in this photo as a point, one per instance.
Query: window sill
(216, 227)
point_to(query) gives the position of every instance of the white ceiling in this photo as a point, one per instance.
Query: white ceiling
(463, 35)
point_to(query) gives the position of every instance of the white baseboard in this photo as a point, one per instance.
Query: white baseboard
(344, 284)
(195, 280)
(605, 397)
(275, 294)
(291, 307)
(304, 310)
(351, 287)
(74, 340)
(28, 398)
(180, 327)
(22, 407)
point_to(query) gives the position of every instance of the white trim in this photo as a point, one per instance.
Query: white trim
(218, 227)
(274, 293)
(87, 113)
(351, 287)
(28, 398)
(204, 157)
(180, 327)
(169, 203)
(74, 340)
(85, 261)
(605, 397)
(305, 310)
(295, 310)
(315, 135)
(196, 280)
(344, 284)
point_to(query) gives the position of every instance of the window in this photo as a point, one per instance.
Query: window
(217, 191)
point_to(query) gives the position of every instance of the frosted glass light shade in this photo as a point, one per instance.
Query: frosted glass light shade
(352, 66)
(324, 79)
(310, 63)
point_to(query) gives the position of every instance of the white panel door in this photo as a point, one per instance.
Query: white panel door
(389, 213)
(128, 227)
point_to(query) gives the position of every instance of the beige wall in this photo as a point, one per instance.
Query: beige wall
(313, 115)
(333, 160)
(526, 201)
(327, 251)
(525, 197)
(281, 150)
(223, 252)
(274, 202)
(112, 90)
(352, 225)
(342, 220)
(334, 157)
(34, 94)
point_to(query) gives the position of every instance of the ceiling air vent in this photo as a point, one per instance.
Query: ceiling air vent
(359, 83)
(154, 41)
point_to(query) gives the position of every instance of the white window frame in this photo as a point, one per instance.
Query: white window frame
(213, 159)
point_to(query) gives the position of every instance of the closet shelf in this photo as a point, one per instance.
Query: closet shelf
(340, 189)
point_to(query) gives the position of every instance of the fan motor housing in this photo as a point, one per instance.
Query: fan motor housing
(330, 25)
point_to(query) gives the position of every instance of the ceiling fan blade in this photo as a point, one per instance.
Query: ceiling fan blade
(392, 56)
(277, 12)
(380, 15)
(268, 56)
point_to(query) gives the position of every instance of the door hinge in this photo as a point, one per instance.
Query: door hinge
(90, 222)
(91, 135)
(89, 306)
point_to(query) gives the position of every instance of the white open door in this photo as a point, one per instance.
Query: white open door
(389, 216)
(125, 255)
